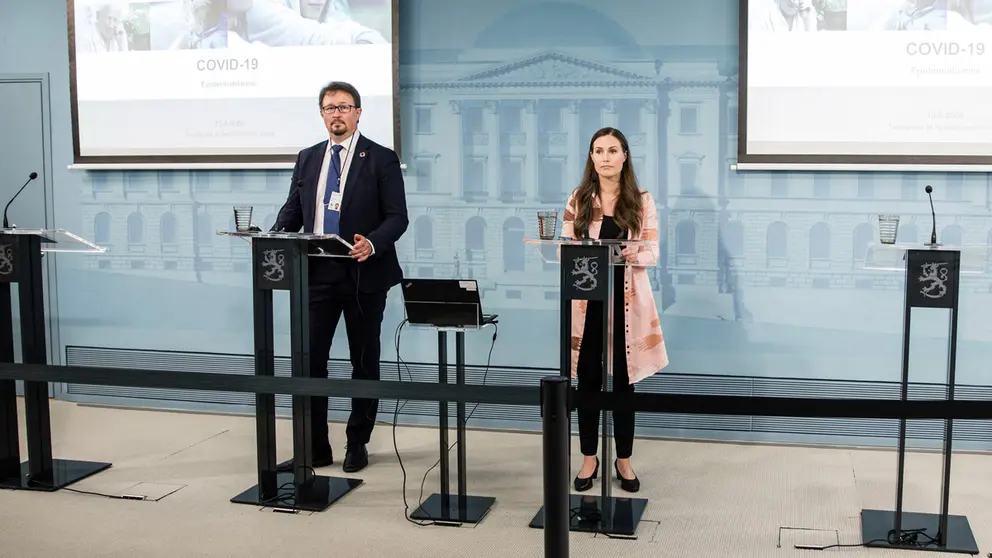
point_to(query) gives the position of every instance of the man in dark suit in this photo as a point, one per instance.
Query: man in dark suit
(353, 187)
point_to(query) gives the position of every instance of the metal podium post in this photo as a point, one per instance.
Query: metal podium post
(279, 263)
(21, 263)
(933, 278)
(587, 274)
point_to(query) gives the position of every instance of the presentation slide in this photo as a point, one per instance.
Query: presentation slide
(868, 78)
(225, 77)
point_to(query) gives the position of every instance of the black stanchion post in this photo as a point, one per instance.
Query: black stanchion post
(555, 426)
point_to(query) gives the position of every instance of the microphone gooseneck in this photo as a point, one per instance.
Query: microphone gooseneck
(933, 215)
(31, 177)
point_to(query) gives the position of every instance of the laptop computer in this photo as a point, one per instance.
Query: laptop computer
(444, 303)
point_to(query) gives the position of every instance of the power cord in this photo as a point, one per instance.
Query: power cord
(908, 538)
(396, 413)
(398, 407)
(289, 500)
(89, 493)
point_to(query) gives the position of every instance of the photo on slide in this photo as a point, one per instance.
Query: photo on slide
(106, 26)
(289, 23)
(964, 14)
(797, 16)
(899, 15)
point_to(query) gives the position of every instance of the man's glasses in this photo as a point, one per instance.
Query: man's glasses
(343, 109)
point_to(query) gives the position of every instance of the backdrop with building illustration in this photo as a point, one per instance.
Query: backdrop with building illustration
(761, 274)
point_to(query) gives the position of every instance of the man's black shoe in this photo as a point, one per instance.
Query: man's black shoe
(356, 458)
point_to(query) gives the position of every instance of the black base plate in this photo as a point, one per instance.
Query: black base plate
(587, 517)
(64, 473)
(876, 524)
(316, 495)
(470, 509)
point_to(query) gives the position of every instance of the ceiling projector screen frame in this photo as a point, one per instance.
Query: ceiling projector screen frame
(954, 162)
(219, 161)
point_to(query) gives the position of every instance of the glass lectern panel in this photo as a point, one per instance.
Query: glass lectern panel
(644, 250)
(58, 240)
(892, 257)
(319, 245)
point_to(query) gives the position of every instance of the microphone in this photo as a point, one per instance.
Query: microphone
(933, 214)
(294, 192)
(31, 177)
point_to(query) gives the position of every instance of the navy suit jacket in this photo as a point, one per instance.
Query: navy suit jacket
(373, 205)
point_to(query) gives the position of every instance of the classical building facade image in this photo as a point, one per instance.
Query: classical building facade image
(495, 130)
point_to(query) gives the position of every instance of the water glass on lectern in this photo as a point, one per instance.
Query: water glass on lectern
(888, 227)
(242, 217)
(547, 224)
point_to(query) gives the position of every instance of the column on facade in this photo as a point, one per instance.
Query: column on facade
(660, 127)
(649, 124)
(493, 161)
(609, 114)
(575, 161)
(672, 167)
(723, 176)
(456, 164)
(531, 172)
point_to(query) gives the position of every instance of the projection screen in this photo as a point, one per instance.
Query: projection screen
(224, 81)
(866, 82)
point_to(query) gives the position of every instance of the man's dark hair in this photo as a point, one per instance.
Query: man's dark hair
(341, 86)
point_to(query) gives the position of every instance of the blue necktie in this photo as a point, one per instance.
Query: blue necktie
(331, 217)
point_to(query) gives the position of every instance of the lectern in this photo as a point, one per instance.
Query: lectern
(21, 252)
(586, 268)
(279, 263)
(933, 280)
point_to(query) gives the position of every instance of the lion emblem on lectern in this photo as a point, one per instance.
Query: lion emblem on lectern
(6, 260)
(588, 271)
(274, 265)
(934, 279)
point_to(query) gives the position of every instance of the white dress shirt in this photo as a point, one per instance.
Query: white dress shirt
(348, 148)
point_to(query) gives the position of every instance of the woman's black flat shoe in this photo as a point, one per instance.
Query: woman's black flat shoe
(628, 485)
(581, 485)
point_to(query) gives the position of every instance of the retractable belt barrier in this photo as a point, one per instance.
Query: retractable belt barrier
(504, 395)
(920, 409)
(554, 395)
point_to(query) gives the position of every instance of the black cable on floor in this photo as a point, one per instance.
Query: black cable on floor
(908, 538)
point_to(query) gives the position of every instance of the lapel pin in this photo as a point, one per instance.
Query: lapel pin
(362, 154)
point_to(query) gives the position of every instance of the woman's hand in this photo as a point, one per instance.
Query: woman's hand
(630, 254)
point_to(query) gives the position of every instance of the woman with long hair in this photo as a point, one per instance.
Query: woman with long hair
(609, 204)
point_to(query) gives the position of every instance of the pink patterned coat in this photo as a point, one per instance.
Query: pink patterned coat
(645, 344)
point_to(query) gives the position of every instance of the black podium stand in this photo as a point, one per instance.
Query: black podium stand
(586, 274)
(20, 262)
(279, 263)
(933, 278)
(443, 508)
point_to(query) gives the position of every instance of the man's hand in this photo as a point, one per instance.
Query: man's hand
(362, 249)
